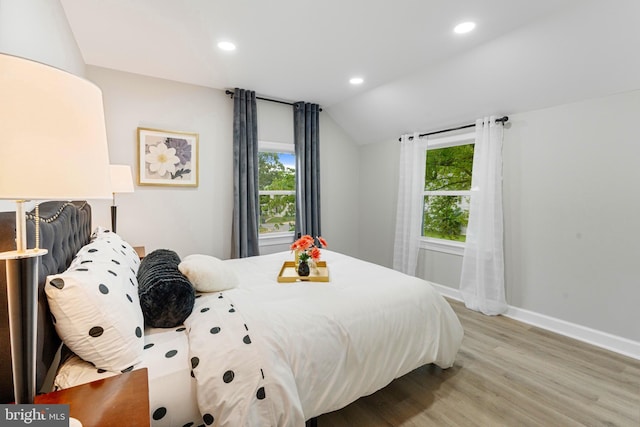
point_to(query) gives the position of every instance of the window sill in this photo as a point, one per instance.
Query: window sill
(441, 245)
(276, 239)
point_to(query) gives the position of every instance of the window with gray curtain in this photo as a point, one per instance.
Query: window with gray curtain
(306, 137)
(245, 175)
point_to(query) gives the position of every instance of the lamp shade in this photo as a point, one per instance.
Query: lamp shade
(121, 180)
(52, 134)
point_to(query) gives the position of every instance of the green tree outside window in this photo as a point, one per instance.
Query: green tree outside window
(447, 183)
(276, 184)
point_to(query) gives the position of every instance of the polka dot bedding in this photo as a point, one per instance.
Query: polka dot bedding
(208, 371)
(172, 389)
(236, 385)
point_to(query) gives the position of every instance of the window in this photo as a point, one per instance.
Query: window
(447, 192)
(277, 184)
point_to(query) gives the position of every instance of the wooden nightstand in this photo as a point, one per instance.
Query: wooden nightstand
(122, 400)
(140, 251)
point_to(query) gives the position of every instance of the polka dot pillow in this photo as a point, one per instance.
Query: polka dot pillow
(95, 307)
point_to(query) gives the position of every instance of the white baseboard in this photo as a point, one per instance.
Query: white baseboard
(448, 292)
(601, 339)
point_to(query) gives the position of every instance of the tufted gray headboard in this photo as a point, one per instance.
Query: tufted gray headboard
(64, 228)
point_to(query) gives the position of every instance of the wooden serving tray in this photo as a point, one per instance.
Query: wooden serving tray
(288, 273)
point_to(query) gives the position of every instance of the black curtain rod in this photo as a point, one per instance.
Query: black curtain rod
(228, 92)
(502, 120)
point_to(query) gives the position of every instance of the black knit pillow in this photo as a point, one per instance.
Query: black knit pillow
(166, 295)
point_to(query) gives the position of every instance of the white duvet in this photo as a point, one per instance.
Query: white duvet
(323, 345)
(313, 347)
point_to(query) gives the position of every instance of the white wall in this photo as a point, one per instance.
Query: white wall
(570, 202)
(187, 220)
(198, 220)
(340, 186)
(378, 198)
(38, 30)
(275, 122)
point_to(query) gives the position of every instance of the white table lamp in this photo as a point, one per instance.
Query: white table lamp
(54, 147)
(121, 182)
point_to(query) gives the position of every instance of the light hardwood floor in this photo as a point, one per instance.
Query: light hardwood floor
(507, 373)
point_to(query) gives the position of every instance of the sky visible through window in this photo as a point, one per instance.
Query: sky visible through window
(288, 159)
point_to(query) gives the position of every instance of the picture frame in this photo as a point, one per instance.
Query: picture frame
(168, 158)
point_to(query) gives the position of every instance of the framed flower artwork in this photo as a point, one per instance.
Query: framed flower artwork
(167, 158)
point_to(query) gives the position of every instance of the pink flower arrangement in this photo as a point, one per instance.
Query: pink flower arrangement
(306, 246)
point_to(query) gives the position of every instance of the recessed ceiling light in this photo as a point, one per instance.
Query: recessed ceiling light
(465, 27)
(356, 80)
(228, 46)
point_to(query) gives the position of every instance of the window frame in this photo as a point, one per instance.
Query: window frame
(283, 237)
(433, 243)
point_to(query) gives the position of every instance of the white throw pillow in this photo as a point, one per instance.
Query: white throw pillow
(208, 273)
(95, 305)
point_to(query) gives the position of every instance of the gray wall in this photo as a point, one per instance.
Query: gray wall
(570, 205)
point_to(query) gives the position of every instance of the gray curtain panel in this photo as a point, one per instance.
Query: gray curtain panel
(246, 207)
(306, 123)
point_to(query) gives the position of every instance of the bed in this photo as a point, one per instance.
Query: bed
(267, 353)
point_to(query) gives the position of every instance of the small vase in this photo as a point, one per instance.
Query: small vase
(303, 269)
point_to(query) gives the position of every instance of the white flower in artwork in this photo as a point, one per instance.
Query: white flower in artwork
(162, 159)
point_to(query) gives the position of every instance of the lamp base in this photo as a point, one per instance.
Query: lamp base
(22, 295)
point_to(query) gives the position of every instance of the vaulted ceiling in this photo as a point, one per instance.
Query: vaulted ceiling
(418, 75)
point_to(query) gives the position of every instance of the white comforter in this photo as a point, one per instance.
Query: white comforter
(313, 347)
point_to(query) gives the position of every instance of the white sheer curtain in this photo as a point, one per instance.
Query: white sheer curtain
(409, 210)
(482, 279)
